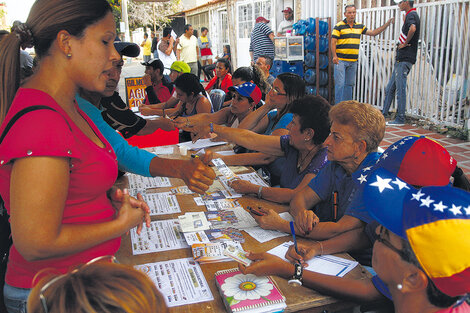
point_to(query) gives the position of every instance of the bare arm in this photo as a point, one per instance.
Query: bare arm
(203, 106)
(326, 230)
(159, 123)
(334, 41)
(255, 117)
(271, 36)
(380, 29)
(411, 33)
(45, 181)
(255, 158)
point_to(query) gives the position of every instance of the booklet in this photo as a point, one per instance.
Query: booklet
(212, 252)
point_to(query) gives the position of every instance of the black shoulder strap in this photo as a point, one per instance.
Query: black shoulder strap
(20, 114)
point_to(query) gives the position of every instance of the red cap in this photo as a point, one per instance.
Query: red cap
(287, 10)
(261, 20)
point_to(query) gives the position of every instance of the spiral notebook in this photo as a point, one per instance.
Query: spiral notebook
(249, 293)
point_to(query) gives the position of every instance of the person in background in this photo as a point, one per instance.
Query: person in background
(187, 49)
(209, 69)
(157, 90)
(262, 40)
(165, 49)
(286, 25)
(205, 45)
(265, 63)
(56, 155)
(222, 79)
(251, 74)
(98, 286)
(153, 49)
(345, 41)
(147, 45)
(406, 56)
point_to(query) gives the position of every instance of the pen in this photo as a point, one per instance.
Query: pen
(335, 205)
(292, 230)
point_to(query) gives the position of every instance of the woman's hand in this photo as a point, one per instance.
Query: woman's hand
(306, 252)
(306, 220)
(270, 220)
(131, 211)
(144, 110)
(267, 264)
(243, 186)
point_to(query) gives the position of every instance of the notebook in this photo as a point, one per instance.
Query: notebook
(249, 293)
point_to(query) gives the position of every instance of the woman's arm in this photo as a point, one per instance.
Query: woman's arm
(203, 106)
(255, 158)
(255, 117)
(36, 219)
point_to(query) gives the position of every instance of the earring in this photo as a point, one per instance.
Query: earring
(306, 139)
(399, 286)
(69, 55)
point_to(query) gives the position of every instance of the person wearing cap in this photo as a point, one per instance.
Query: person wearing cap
(345, 41)
(187, 49)
(405, 58)
(287, 23)
(157, 89)
(420, 253)
(261, 40)
(117, 114)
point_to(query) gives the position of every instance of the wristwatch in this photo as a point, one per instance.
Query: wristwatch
(297, 278)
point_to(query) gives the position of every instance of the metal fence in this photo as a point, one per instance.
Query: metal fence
(438, 84)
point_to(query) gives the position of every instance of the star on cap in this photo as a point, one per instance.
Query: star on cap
(417, 196)
(400, 184)
(365, 169)
(384, 156)
(382, 184)
(402, 142)
(456, 209)
(426, 202)
(467, 210)
(362, 179)
(394, 148)
(440, 207)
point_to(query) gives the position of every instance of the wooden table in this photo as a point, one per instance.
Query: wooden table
(297, 298)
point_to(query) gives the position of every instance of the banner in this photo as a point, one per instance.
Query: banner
(135, 91)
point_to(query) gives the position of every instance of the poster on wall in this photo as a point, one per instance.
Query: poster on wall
(135, 91)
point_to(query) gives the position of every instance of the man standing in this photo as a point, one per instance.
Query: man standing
(156, 91)
(153, 50)
(265, 63)
(188, 49)
(147, 45)
(262, 40)
(165, 49)
(406, 57)
(287, 23)
(345, 41)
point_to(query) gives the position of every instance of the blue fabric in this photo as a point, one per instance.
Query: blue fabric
(281, 124)
(397, 83)
(345, 79)
(332, 177)
(130, 159)
(290, 177)
(381, 287)
(15, 298)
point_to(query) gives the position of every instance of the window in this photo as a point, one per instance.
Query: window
(198, 21)
(247, 14)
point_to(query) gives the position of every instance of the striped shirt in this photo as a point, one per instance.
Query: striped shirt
(260, 42)
(349, 38)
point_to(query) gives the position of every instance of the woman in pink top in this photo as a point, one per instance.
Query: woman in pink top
(55, 166)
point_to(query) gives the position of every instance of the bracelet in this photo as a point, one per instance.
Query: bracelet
(211, 125)
(163, 112)
(259, 192)
(321, 247)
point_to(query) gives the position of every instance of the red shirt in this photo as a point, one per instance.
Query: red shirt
(93, 171)
(226, 82)
(161, 91)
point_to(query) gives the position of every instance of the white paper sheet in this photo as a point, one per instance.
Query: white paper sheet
(180, 281)
(193, 221)
(181, 190)
(245, 220)
(264, 235)
(161, 203)
(222, 204)
(201, 144)
(227, 152)
(324, 264)
(141, 182)
(163, 150)
(160, 236)
(253, 178)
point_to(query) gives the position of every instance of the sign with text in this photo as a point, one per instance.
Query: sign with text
(135, 91)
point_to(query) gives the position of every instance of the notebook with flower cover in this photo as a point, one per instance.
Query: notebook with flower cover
(249, 293)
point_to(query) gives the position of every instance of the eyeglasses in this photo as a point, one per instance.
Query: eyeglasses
(104, 258)
(388, 244)
(278, 92)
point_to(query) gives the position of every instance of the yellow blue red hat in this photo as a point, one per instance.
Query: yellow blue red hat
(435, 220)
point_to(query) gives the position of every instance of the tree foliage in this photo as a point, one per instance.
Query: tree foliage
(151, 14)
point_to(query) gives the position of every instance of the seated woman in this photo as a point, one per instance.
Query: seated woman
(302, 147)
(219, 84)
(252, 74)
(97, 286)
(245, 98)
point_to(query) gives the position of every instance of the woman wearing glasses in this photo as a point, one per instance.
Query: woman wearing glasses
(55, 166)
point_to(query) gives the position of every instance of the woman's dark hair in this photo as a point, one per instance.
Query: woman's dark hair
(226, 63)
(203, 29)
(313, 113)
(460, 179)
(294, 87)
(189, 84)
(46, 19)
(252, 74)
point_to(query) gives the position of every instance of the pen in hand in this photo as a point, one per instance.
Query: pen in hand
(292, 230)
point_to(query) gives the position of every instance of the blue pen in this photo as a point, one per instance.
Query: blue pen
(292, 230)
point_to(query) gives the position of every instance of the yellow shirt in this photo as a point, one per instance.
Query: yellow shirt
(349, 39)
(147, 47)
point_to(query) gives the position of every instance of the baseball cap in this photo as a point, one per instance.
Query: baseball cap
(129, 49)
(261, 19)
(400, 1)
(155, 63)
(287, 10)
(180, 66)
(418, 160)
(436, 222)
(248, 90)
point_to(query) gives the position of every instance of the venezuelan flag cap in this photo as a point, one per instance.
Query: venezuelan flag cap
(435, 220)
(418, 160)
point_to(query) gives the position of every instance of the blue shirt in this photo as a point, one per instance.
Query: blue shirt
(281, 124)
(333, 178)
(290, 177)
(130, 159)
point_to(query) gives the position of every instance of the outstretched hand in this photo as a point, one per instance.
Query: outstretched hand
(266, 264)
(197, 174)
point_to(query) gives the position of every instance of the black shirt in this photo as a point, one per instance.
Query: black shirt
(408, 54)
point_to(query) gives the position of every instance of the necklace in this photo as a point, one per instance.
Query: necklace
(300, 161)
